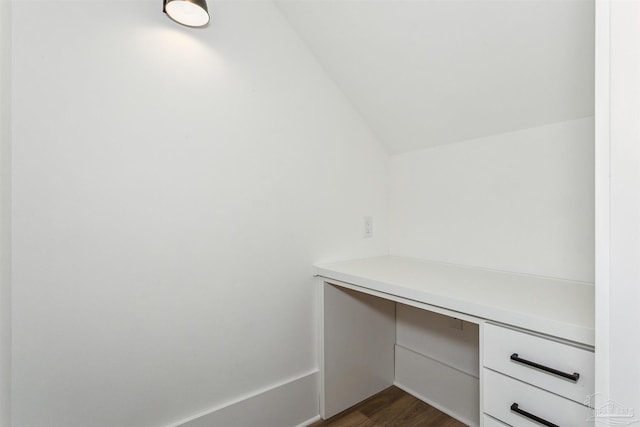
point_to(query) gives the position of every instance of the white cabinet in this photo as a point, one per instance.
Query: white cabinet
(533, 380)
(524, 372)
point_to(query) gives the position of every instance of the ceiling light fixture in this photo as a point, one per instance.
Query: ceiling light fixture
(192, 13)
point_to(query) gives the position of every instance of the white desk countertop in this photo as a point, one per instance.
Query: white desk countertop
(555, 307)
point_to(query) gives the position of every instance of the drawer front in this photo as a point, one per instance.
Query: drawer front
(487, 421)
(500, 393)
(500, 344)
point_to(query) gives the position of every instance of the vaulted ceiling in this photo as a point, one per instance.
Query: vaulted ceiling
(429, 72)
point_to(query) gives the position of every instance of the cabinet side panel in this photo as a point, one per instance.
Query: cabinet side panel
(358, 347)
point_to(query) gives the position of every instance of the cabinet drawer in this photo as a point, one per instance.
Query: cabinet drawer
(487, 421)
(500, 393)
(501, 344)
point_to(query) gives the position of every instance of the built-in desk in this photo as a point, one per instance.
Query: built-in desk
(547, 322)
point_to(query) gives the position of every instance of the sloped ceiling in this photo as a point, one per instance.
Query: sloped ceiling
(427, 72)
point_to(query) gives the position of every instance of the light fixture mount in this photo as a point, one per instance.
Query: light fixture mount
(191, 13)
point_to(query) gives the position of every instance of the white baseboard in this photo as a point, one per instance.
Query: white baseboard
(447, 389)
(310, 421)
(292, 403)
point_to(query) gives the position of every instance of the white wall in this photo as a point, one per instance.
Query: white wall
(520, 201)
(172, 188)
(5, 213)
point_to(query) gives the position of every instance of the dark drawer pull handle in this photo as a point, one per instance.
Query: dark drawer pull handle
(514, 408)
(573, 377)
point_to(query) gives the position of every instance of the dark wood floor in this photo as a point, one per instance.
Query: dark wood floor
(391, 408)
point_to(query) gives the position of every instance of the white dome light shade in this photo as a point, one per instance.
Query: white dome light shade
(192, 13)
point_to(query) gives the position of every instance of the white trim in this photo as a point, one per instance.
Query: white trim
(297, 400)
(310, 421)
(320, 347)
(602, 192)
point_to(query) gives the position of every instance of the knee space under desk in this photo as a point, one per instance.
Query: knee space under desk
(371, 343)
